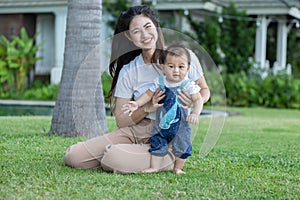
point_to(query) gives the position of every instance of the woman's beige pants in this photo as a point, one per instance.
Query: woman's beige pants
(124, 150)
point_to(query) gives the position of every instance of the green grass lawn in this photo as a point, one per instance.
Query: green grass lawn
(257, 157)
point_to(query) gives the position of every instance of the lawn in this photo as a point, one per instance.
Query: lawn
(256, 157)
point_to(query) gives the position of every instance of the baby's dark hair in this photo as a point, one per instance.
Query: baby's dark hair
(175, 50)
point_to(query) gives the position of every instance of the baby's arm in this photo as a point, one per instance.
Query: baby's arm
(131, 106)
(144, 98)
(197, 108)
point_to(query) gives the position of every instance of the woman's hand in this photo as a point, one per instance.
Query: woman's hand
(185, 98)
(154, 105)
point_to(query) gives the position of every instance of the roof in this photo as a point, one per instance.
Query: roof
(252, 7)
(240, 3)
(267, 7)
(260, 3)
(25, 3)
(184, 4)
(248, 4)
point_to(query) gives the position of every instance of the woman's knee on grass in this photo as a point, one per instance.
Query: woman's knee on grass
(77, 157)
(71, 157)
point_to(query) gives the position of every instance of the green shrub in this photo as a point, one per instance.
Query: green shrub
(17, 58)
(281, 91)
(38, 91)
(217, 88)
(275, 91)
(106, 84)
(44, 93)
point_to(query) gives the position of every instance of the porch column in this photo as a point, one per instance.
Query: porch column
(45, 30)
(261, 40)
(59, 45)
(282, 32)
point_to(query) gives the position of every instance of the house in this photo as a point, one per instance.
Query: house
(48, 18)
(285, 14)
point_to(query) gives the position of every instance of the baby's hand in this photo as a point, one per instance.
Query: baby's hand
(130, 107)
(192, 118)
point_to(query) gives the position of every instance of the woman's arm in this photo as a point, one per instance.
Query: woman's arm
(123, 120)
(196, 69)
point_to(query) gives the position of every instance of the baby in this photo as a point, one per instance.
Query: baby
(171, 124)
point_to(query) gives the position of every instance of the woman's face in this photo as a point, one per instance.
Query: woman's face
(142, 32)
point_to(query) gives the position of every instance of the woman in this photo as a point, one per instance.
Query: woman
(137, 45)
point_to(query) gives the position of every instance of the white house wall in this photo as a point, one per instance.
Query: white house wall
(60, 25)
(60, 35)
(45, 30)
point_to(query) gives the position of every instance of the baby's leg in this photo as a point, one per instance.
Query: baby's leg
(179, 163)
(154, 164)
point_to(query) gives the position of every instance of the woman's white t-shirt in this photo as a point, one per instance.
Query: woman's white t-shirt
(191, 87)
(136, 78)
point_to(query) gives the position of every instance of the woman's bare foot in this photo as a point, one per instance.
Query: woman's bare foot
(178, 171)
(150, 170)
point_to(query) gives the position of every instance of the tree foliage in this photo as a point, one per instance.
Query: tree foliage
(238, 40)
(293, 52)
(207, 34)
(114, 8)
(232, 38)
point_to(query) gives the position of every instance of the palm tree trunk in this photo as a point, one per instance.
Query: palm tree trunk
(80, 108)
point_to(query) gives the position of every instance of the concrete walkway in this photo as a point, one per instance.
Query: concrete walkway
(205, 113)
(27, 103)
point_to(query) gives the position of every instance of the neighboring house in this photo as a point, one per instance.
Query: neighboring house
(48, 18)
(284, 13)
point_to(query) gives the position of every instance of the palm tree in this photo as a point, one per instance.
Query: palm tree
(80, 108)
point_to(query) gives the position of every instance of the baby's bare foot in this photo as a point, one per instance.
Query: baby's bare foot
(178, 171)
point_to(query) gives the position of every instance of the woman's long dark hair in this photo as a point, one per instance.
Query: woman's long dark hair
(123, 50)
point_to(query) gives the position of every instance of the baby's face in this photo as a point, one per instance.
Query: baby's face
(175, 68)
